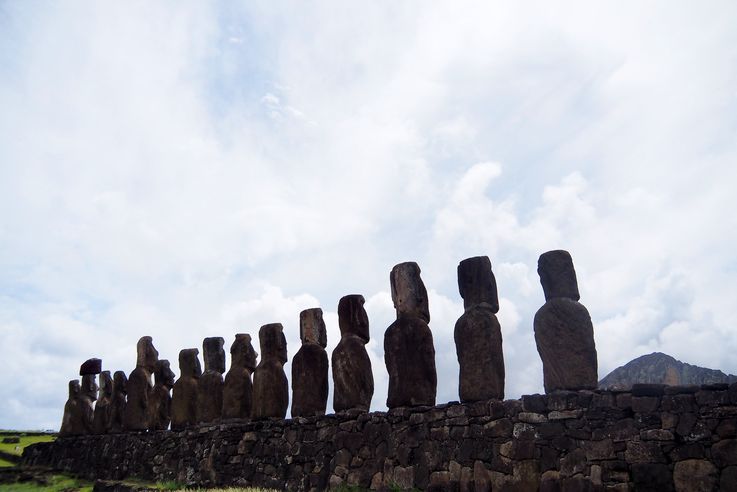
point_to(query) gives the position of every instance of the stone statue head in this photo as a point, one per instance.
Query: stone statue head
(189, 364)
(273, 342)
(214, 354)
(312, 327)
(557, 275)
(164, 376)
(242, 352)
(476, 283)
(74, 389)
(106, 385)
(89, 387)
(408, 291)
(147, 354)
(120, 383)
(352, 317)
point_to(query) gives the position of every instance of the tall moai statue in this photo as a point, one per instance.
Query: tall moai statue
(210, 387)
(563, 330)
(477, 334)
(160, 405)
(101, 421)
(88, 394)
(184, 394)
(409, 352)
(72, 411)
(238, 388)
(353, 380)
(310, 366)
(118, 402)
(140, 386)
(270, 386)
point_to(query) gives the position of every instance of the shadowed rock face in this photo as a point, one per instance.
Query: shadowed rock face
(310, 366)
(72, 411)
(409, 352)
(160, 397)
(184, 394)
(563, 330)
(87, 397)
(270, 386)
(353, 380)
(118, 402)
(210, 391)
(101, 421)
(140, 386)
(477, 334)
(238, 388)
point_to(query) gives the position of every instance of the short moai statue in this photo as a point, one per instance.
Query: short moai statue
(353, 380)
(270, 386)
(409, 352)
(210, 386)
(118, 402)
(184, 394)
(87, 395)
(140, 386)
(160, 405)
(310, 366)
(238, 388)
(563, 330)
(103, 407)
(478, 335)
(72, 411)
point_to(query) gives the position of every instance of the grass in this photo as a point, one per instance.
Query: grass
(6, 463)
(17, 448)
(55, 483)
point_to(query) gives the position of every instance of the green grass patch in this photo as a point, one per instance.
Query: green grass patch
(6, 463)
(54, 483)
(17, 448)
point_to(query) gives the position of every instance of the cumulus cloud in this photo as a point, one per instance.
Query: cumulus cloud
(203, 170)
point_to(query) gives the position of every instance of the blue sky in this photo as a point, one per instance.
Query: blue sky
(193, 169)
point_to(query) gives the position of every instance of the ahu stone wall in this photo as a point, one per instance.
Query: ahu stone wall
(652, 438)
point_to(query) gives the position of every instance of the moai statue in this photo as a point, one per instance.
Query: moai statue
(140, 387)
(270, 386)
(478, 335)
(160, 405)
(87, 395)
(310, 366)
(184, 394)
(118, 402)
(210, 386)
(409, 352)
(72, 411)
(353, 381)
(238, 388)
(103, 407)
(563, 330)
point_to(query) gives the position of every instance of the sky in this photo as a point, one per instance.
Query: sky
(190, 169)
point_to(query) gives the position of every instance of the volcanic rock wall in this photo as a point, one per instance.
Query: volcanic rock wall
(652, 438)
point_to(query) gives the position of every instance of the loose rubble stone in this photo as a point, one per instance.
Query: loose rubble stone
(353, 379)
(270, 386)
(409, 351)
(140, 386)
(310, 366)
(563, 330)
(238, 387)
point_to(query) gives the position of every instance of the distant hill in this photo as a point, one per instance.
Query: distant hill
(662, 368)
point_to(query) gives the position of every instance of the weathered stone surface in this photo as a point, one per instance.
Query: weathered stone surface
(87, 397)
(692, 475)
(160, 406)
(238, 388)
(118, 402)
(478, 336)
(563, 330)
(210, 384)
(353, 379)
(72, 411)
(310, 366)
(90, 367)
(409, 352)
(140, 386)
(184, 394)
(270, 386)
(724, 452)
(557, 275)
(101, 422)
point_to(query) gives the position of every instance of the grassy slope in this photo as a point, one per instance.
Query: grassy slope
(17, 449)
